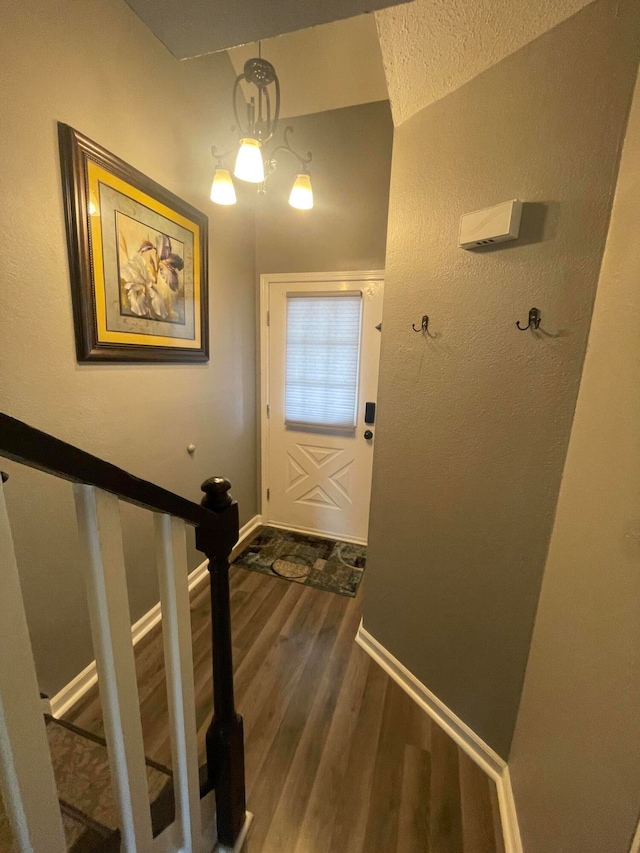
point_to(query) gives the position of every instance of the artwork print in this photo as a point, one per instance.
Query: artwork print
(151, 275)
(138, 261)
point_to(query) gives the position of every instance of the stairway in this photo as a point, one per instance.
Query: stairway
(83, 778)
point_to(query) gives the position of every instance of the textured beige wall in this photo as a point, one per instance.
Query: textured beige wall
(95, 66)
(430, 48)
(347, 228)
(473, 425)
(576, 751)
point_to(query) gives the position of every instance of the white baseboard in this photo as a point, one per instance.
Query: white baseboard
(480, 752)
(74, 690)
(247, 532)
(84, 681)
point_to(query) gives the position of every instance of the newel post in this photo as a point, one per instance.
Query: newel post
(225, 740)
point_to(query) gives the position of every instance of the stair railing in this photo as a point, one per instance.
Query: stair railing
(26, 773)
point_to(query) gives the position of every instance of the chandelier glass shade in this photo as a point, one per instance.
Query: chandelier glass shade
(249, 166)
(222, 189)
(301, 192)
(255, 130)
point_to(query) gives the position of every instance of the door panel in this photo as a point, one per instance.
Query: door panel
(319, 478)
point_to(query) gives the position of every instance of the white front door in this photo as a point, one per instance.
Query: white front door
(322, 351)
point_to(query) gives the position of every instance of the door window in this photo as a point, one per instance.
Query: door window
(323, 359)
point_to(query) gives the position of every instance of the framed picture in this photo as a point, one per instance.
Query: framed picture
(137, 257)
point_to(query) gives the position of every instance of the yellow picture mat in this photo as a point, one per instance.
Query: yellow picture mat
(95, 176)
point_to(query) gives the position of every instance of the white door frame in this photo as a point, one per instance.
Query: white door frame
(266, 280)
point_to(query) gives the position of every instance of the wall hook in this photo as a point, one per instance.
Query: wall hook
(534, 320)
(424, 326)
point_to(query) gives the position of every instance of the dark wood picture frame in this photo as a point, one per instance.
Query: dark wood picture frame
(76, 151)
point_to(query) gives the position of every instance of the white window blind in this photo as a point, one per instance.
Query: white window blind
(323, 355)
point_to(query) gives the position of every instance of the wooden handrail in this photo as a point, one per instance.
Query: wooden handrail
(217, 526)
(36, 449)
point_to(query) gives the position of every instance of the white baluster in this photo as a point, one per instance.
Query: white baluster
(26, 774)
(171, 553)
(106, 582)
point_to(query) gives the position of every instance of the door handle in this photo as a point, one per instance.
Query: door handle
(369, 413)
(368, 434)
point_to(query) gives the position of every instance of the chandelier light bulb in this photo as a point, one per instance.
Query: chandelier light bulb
(222, 189)
(301, 193)
(249, 166)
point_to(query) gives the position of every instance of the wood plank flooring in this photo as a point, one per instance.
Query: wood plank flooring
(338, 757)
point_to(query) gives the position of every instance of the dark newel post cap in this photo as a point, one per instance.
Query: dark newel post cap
(4, 476)
(216, 493)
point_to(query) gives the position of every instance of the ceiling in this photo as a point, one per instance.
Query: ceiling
(324, 68)
(431, 47)
(194, 27)
(329, 54)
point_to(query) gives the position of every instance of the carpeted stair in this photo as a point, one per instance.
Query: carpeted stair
(83, 778)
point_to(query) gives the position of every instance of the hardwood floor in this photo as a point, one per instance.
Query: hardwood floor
(338, 757)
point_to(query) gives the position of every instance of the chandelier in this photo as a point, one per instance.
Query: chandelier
(252, 163)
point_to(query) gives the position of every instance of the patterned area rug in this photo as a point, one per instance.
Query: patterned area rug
(322, 563)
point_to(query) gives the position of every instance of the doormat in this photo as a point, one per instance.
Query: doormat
(321, 563)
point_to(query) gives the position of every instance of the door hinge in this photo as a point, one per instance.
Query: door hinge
(268, 318)
(268, 494)
(268, 411)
